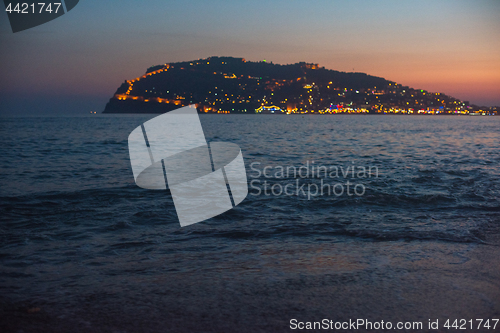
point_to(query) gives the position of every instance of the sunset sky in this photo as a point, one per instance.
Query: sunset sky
(76, 62)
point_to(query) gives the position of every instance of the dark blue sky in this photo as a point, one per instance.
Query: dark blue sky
(450, 46)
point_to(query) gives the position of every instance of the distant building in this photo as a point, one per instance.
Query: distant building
(291, 107)
(269, 109)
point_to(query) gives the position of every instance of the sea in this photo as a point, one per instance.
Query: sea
(390, 218)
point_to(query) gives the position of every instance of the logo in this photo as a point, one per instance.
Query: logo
(171, 152)
(28, 14)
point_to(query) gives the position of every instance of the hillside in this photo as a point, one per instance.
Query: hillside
(234, 85)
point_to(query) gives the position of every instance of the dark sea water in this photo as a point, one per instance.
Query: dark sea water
(82, 248)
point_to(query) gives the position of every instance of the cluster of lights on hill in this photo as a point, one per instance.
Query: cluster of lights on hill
(128, 96)
(233, 85)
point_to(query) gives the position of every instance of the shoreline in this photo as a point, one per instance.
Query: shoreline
(390, 281)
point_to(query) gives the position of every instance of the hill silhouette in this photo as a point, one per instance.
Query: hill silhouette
(234, 85)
